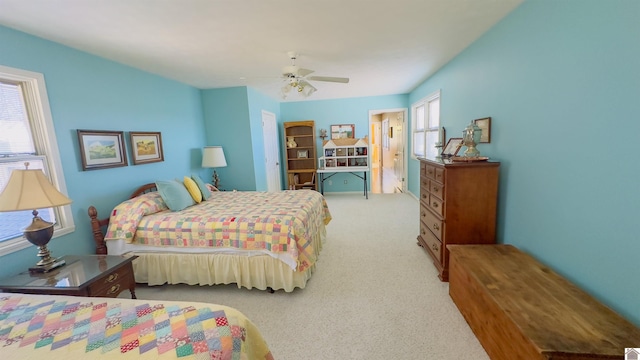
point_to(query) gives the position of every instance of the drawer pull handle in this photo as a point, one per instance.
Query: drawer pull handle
(435, 205)
(436, 190)
(114, 289)
(436, 227)
(434, 247)
(424, 196)
(424, 232)
(422, 214)
(112, 277)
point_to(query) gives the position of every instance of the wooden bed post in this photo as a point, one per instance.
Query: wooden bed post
(96, 228)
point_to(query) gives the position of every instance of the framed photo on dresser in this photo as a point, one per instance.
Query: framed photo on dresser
(452, 147)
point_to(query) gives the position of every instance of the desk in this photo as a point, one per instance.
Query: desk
(352, 171)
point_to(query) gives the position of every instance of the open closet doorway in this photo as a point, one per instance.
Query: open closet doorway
(388, 148)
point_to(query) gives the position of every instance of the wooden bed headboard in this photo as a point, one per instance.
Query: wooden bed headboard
(98, 224)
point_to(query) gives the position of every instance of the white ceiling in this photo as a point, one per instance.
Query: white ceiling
(383, 46)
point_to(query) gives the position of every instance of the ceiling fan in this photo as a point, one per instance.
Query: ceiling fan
(296, 78)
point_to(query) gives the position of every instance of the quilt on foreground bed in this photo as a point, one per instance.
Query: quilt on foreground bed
(63, 327)
(282, 224)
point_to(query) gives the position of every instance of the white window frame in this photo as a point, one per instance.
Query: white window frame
(430, 127)
(46, 144)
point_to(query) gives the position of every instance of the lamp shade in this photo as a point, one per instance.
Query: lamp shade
(30, 190)
(213, 157)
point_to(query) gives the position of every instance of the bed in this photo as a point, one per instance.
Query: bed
(65, 327)
(263, 240)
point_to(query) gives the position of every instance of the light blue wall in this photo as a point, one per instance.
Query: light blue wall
(257, 103)
(228, 124)
(87, 92)
(561, 81)
(342, 111)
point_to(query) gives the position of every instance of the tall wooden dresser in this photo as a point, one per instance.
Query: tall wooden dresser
(458, 205)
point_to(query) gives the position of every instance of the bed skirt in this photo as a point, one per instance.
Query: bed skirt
(260, 272)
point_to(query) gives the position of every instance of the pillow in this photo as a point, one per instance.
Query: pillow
(174, 194)
(206, 194)
(193, 189)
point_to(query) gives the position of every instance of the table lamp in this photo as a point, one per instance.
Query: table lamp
(213, 157)
(31, 190)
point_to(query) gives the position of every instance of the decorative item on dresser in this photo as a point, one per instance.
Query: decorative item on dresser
(300, 154)
(458, 205)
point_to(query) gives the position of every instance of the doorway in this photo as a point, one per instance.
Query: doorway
(388, 149)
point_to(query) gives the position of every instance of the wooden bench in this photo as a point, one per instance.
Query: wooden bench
(521, 309)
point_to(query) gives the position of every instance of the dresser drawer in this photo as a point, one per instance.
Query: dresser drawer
(113, 283)
(430, 171)
(439, 175)
(433, 244)
(436, 205)
(424, 195)
(436, 190)
(433, 223)
(424, 182)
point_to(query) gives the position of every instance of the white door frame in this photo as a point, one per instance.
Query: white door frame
(405, 141)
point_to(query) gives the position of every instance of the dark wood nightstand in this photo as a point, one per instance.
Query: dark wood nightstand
(86, 275)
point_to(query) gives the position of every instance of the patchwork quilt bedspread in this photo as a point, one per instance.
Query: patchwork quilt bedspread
(63, 327)
(283, 223)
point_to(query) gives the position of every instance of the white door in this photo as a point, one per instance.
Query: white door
(271, 151)
(398, 134)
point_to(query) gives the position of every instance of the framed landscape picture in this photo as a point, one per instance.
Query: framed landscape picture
(146, 147)
(101, 149)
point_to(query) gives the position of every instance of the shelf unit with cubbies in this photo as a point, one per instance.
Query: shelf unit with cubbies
(300, 153)
(345, 154)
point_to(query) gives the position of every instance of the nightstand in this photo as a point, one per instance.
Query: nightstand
(85, 275)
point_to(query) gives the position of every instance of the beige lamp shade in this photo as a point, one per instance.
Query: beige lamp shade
(213, 157)
(30, 190)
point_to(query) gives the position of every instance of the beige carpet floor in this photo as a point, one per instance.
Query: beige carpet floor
(375, 294)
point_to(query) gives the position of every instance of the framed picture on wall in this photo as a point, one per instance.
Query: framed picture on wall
(485, 125)
(146, 147)
(343, 131)
(101, 149)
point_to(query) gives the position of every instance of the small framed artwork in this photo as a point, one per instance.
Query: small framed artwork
(146, 147)
(452, 147)
(343, 131)
(485, 125)
(101, 149)
(303, 154)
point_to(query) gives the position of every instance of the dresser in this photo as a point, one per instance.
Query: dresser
(458, 205)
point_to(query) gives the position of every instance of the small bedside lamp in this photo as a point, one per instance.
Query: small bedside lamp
(213, 157)
(31, 190)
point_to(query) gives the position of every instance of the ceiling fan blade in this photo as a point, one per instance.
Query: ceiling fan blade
(329, 79)
(304, 72)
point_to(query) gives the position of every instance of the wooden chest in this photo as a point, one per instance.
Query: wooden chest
(521, 309)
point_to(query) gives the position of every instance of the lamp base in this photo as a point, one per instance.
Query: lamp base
(47, 267)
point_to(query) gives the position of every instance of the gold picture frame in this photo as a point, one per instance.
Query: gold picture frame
(146, 147)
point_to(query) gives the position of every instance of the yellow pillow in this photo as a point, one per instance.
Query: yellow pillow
(193, 189)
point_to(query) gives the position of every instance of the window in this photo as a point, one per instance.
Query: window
(426, 122)
(27, 135)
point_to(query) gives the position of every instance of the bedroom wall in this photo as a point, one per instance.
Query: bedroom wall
(340, 111)
(233, 119)
(560, 80)
(88, 92)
